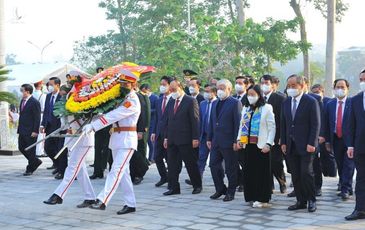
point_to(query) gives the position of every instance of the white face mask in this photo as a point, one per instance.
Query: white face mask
(239, 88)
(252, 100)
(339, 93)
(175, 95)
(221, 94)
(208, 96)
(51, 89)
(192, 90)
(265, 88)
(292, 92)
(362, 86)
(163, 89)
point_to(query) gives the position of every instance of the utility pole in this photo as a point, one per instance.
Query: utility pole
(41, 50)
(189, 17)
(330, 46)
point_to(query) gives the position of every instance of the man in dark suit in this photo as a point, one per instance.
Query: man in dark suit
(146, 89)
(188, 74)
(300, 126)
(194, 89)
(221, 140)
(336, 122)
(29, 120)
(275, 85)
(139, 162)
(49, 124)
(159, 127)
(356, 149)
(181, 138)
(277, 156)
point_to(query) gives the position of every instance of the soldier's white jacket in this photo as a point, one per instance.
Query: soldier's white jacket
(125, 115)
(86, 141)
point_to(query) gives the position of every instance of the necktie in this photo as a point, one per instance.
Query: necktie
(265, 98)
(51, 103)
(176, 105)
(294, 109)
(239, 97)
(207, 117)
(23, 104)
(164, 104)
(339, 120)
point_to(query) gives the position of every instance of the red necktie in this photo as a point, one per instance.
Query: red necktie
(176, 105)
(23, 104)
(164, 104)
(339, 120)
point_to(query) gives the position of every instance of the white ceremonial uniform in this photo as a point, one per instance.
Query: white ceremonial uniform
(123, 144)
(41, 97)
(76, 163)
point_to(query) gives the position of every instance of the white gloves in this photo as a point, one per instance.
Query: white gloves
(88, 128)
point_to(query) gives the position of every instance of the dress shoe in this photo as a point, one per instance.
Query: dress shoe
(172, 192)
(52, 167)
(86, 203)
(292, 194)
(126, 210)
(297, 206)
(345, 196)
(217, 195)
(318, 192)
(338, 187)
(283, 189)
(55, 171)
(92, 165)
(96, 176)
(98, 205)
(197, 190)
(161, 182)
(240, 188)
(59, 176)
(54, 199)
(187, 181)
(312, 206)
(137, 180)
(36, 165)
(27, 173)
(356, 215)
(228, 197)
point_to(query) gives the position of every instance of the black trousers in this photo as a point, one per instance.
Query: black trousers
(159, 156)
(240, 166)
(176, 154)
(301, 167)
(328, 162)
(217, 155)
(101, 150)
(317, 169)
(360, 181)
(23, 142)
(138, 164)
(52, 146)
(277, 165)
(62, 159)
(346, 166)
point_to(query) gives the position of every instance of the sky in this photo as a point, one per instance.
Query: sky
(67, 21)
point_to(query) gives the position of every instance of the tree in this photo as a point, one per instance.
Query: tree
(6, 96)
(10, 59)
(330, 45)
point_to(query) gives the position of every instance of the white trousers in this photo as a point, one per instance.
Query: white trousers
(77, 168)
(119, 175)
(40, 147)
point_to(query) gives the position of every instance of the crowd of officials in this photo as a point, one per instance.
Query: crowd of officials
(248, 131)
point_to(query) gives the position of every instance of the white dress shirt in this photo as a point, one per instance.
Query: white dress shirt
(298, 98)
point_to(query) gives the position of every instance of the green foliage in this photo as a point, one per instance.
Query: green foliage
(341, 8)
(6, 96)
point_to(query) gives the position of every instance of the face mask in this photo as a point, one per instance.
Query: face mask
(239, 88)
(292, 92)
(221, 94)
(192, 90)
(252, 100)
(50, 89)
(362, 86)
(207, 96)
(163, 89)
(339, 93)
(175, 95)
(265, 88)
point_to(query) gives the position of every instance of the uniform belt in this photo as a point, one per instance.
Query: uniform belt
(123, 129)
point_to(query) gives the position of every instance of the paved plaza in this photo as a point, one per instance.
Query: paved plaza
(21, 206)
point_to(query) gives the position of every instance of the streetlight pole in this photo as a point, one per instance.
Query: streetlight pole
(189, 17)
(41, 50)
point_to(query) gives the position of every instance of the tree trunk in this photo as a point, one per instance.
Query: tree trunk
(122, 31)
(231, 10)
(303, 36)
(330, 47)
(240, 12)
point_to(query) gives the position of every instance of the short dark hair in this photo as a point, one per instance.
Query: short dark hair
(99, 68)
(306, 80)
(145, 86)
(245, 81)
(341, 79)
(198, 81)
(213, 88)
(318, 86)
(261, 100)
(250, 79)
(56, 80)
(300, 79)
(28, 88)
(267, 77)
(37, 84)
(167, 78)
(68, 75)
(275, 80)
(179, 84)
